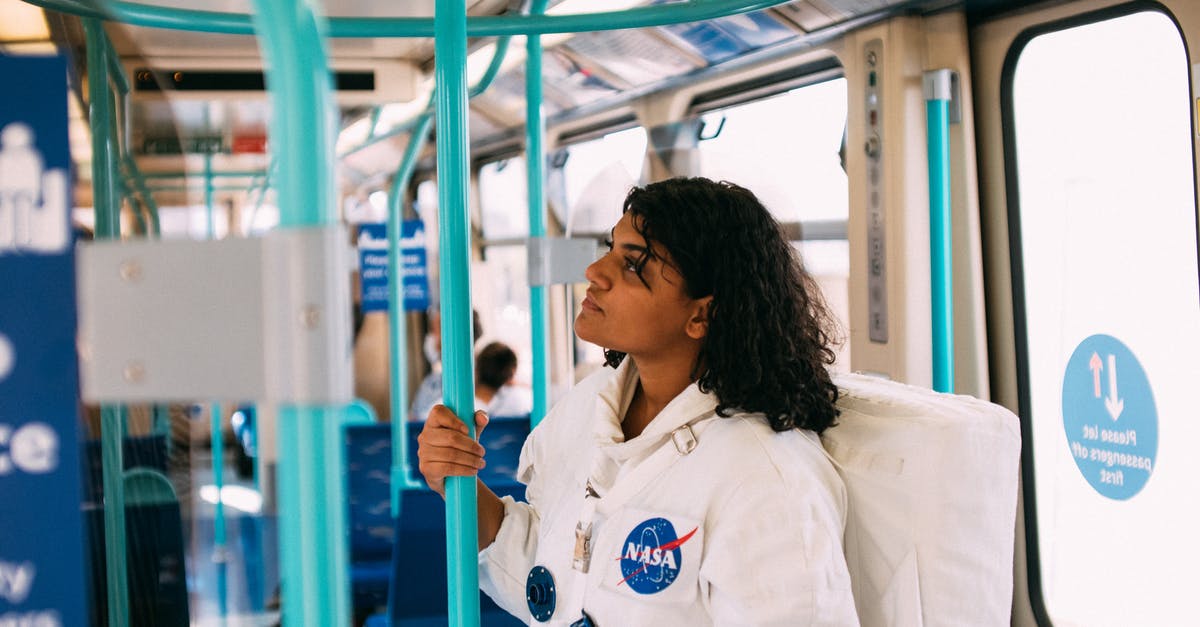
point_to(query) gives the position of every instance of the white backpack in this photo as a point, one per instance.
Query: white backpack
(932, 486)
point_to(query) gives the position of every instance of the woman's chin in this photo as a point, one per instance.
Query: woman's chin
(585, 332)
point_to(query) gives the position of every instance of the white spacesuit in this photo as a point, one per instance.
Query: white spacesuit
(700, 520)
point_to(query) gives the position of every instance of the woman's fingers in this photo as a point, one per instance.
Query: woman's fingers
(441, 417)
(445, 448)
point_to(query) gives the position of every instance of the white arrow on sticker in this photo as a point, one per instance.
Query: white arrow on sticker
(1112, 403)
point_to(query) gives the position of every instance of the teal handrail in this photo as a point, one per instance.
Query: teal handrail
(127, 194)
(937, 113)
(485, 81)
(134, 174)
(106, 203)
(402, 477)
(312, 535)
(462, 538)
(535, 168)
(375, 27)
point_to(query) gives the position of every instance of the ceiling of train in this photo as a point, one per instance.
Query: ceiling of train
(224, 128)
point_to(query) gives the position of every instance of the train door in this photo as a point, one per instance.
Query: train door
(1088, 178)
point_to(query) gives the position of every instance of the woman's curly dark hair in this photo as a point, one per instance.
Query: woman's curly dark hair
(769, 331)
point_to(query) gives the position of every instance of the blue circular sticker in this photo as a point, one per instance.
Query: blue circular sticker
(1109, 417)
(651, 559)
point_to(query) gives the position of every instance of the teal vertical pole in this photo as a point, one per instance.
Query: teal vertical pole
(401, 468)
(535, 156)
(218, 442)
(938, 90)
(462, 537)
(312, 534)
(108, 226)
(402, 478)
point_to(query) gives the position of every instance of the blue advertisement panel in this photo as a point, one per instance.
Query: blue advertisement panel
(41, 542)
(373, 265)
(414, 268)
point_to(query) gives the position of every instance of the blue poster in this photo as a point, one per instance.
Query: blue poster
(373, 266)
(414, 268)
(1109, 416)
(41, 532)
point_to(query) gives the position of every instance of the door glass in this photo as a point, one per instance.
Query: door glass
(1107, 249)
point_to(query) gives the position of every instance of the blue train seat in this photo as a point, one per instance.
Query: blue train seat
(368, 483)
(148, 451)
(419, 596)
(413, 570)
(154, 553)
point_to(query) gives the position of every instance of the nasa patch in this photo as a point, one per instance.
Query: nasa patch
(652, 556)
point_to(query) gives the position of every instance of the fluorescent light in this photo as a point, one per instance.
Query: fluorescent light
(20, 21)
(236, 496)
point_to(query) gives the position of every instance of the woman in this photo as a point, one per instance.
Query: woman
(687, 486)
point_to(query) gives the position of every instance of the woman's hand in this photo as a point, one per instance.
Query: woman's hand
(445, 448)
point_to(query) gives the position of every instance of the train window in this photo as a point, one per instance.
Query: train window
(1103, 220)
(499, 286)
(793, 141)
(795, 169)
(597, 174)
(504, 199)
(500, 292)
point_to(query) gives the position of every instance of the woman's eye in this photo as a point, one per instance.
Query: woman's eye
(608, 243)
(631, 265)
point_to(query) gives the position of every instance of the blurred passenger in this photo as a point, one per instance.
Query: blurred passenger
(495, 367)
(430, 391)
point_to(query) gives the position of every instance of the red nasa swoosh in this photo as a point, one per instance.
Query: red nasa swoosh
(670, 546)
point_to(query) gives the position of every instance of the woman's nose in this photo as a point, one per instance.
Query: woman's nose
(595, 273)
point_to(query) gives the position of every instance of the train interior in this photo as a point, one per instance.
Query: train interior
(1072, 279)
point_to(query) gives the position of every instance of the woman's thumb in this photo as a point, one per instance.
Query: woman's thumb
(481, 421)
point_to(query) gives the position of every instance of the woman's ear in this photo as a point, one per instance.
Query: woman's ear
(697, 324)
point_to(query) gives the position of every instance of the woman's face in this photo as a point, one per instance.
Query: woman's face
(620, 312)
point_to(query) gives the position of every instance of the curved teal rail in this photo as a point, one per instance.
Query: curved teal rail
(312, 534)
(484, 26)
(408, 125)
(535, 162)
(402, 477)
(107, 203)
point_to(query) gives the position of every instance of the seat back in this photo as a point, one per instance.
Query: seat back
(932, 486)
(154, 553)
(411, 551)
(149, 451)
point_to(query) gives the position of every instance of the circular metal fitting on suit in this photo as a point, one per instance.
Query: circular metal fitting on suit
(540, 593)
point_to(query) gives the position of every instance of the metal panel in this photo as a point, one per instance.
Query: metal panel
(185, 320)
